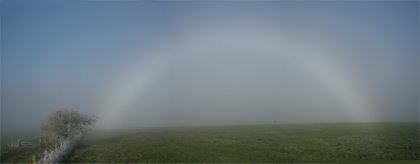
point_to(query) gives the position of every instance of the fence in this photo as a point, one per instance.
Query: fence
(60, 151)
(48, 155)
(24, 144)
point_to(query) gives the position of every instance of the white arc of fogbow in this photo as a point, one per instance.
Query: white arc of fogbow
(138, 77)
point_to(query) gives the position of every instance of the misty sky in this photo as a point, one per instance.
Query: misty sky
(142, 64)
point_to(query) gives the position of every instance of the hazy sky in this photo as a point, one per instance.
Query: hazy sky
(140, 64)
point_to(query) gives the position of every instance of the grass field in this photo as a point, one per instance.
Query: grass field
(19, 156)
(256, 143)
(22, 155)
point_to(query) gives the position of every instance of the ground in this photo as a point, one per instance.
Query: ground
(253, 143)
(21, 155)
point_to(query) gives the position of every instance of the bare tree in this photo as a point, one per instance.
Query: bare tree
(65, 123)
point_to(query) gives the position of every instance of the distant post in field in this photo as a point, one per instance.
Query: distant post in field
(34, 158)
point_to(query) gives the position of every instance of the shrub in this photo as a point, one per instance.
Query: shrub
(65, 123)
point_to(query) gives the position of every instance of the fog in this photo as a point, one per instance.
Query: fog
(157, 64)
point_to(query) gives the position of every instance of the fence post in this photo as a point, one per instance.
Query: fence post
(18, 143)
(34, 158)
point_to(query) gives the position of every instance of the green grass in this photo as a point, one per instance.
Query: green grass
(22, 155)
(257, 143)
